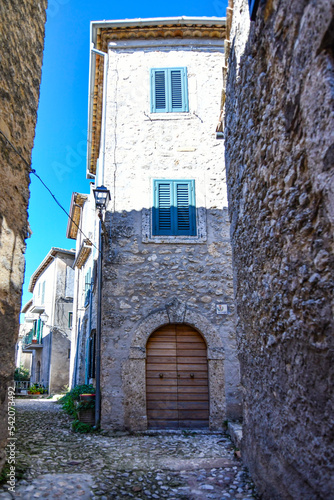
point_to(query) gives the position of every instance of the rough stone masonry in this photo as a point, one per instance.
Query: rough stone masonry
(21, 47)
(280, 163)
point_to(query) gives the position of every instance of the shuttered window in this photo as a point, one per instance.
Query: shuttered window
(43, 293)
(169, 90)
(174, 210)
(87, 286)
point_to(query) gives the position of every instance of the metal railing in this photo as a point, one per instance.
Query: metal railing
(30, 338)
(22, 385)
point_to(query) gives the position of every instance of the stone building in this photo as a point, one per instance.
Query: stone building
(21, 46)
(168, 343)
(82, 227)
(279, 139)
(46, 331)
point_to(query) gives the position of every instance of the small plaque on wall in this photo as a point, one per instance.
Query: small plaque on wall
(221, 309)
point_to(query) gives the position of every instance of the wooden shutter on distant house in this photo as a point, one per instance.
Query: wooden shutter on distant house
(87, 286)
(169, 90)
(174, 210)
(43, 293)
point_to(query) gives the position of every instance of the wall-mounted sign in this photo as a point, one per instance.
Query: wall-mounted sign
(221, 309)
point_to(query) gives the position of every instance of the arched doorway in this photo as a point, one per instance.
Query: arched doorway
(177, 393)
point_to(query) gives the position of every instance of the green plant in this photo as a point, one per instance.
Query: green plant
(34, 389)
(85, 405)
(71, 400)
(20, 469)
(81, 427)
(187, 433)
(21, 374)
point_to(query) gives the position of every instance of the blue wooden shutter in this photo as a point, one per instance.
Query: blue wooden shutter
(39, 331)
(162, 216)
(182, 204)
(87, 287)
(174, 211)
(169, 90)
(158, 91)
(43, 293)
(185, 223)
(178, 89)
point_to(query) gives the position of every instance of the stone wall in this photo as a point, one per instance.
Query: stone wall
(21, 47)
(279, 140)
(150, 281)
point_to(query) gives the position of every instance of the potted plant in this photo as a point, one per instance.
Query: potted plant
(34, 389)
(86, 408)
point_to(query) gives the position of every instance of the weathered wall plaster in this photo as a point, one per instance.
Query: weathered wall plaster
(21, 47)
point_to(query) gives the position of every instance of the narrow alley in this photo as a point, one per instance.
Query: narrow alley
(55, 462)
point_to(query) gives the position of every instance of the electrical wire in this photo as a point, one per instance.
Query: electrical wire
(33, 171)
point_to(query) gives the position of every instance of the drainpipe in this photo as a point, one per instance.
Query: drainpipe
(75, 369)
(50, 360)
(98, 331)
(94, 51)
(89, 331)
(53, 316)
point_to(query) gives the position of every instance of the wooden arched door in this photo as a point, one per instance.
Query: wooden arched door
(177, 394)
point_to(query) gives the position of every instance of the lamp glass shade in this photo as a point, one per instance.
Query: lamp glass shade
(102, 197)
(44, 317)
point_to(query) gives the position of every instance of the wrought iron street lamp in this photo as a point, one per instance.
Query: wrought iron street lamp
(44, 317)
(102, 197)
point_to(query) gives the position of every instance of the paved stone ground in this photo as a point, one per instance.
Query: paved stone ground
(58, 463)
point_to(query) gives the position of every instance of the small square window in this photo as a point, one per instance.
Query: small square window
(174, 209)
(169, 90)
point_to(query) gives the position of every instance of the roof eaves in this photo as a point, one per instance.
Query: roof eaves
(77, 202)
(26, 306)
(93, 142)
(45, 263)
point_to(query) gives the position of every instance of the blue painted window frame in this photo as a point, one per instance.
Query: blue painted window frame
(171, 90)
(174, 207)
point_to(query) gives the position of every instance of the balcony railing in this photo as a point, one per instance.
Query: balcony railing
(22, 386)
(32, 340)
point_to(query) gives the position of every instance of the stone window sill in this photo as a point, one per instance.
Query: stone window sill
(147, 236)
(169, 116)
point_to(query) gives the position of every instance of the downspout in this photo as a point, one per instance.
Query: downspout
(98, 332)
(103, 117)
(89, 330)
(75, 369)
(95, 51)
(75, 331)
(53, 313)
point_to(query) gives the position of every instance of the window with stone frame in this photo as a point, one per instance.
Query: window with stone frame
(174, 208)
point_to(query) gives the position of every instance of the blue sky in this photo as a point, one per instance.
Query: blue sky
(59, 154)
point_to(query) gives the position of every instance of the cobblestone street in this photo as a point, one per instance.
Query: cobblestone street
(58, 463)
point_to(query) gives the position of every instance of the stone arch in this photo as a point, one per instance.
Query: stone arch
(134, 369)
(176, 312)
